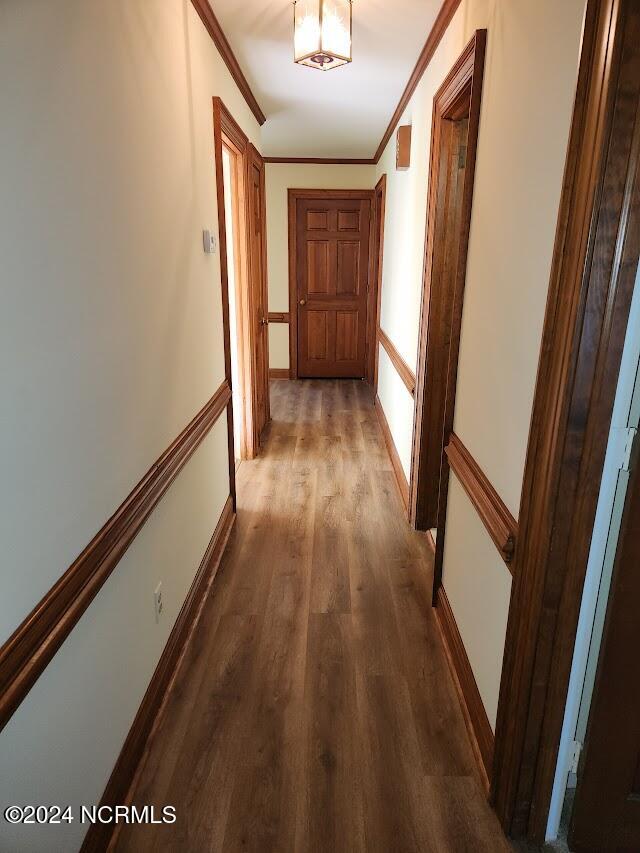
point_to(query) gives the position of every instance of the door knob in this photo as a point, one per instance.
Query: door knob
(302, 302)
(263, 321)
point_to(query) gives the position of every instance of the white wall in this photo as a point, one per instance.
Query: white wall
(529, 85)
(279, 178)
(111, 341)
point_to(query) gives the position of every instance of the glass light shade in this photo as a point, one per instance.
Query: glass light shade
(322, 33)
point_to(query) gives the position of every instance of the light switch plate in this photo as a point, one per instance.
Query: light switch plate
(209, 242)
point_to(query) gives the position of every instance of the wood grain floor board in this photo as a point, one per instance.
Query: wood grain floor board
(314, 709)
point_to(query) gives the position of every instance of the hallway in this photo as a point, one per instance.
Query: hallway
(314, 708)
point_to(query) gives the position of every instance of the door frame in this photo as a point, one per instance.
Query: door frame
(292, 202)
(226, 130)
(592, 277)
(432, 424)
(379, 192)
(255, 159)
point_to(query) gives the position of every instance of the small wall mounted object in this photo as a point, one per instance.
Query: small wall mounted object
(403, 147)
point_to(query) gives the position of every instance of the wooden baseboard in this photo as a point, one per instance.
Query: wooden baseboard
(401, 478)
(278, 373)
(129, 761)
(475, 716)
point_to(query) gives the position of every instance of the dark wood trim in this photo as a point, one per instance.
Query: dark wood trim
(501, 525)
(377, 256)
(459, 96)
(402, 368)
(439, 28)
(401, 478)
(292, 198)
(278, 316)
(256, 160)
(592, 279)
(236, 141)
(25, 655)
(123, 776)
(214, 29)
(278, 373)
(473, 710)
(221, 116)
(337, 161)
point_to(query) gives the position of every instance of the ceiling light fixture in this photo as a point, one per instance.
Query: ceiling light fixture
(322, 33)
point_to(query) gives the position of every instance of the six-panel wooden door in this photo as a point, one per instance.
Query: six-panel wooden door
(331, 277)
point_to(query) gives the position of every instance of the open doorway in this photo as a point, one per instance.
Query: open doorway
(454, 135)
(236, 281)
(241, 214)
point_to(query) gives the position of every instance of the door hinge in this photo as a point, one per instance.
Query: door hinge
(574, 756)
(626, 445)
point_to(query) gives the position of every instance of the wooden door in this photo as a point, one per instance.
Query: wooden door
(606, 812)
(258, 288)
(331, 279)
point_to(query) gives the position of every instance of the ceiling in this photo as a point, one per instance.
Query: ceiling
(339, 113)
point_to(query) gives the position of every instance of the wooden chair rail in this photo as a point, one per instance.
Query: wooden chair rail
(500, 524)
(404, 371)
(33, 644)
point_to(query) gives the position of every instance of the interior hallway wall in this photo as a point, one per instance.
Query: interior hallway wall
(279, 178)
(529, 86)
(111, 342)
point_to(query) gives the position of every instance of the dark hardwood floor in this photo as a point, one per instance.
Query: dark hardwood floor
(314, 709)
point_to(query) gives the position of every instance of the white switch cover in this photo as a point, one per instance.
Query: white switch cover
(209, 242)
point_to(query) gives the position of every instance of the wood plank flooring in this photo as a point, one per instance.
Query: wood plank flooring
(314, 710)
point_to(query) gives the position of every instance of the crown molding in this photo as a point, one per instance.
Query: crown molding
(337, 161)
(438, 29)
(212, 25)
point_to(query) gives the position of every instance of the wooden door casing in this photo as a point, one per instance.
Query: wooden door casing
(454, 137)
(258, 287)
(330, 267)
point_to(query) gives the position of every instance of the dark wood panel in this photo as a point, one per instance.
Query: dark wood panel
(24, 656)
(348, 261)
(99, 835)
(318, 267)
(592, 278)
(475, 716)
(401, 477)
(606, 811)
(500, 524)
(214, 29)
(404, 371)
(278, 316)
(438, 29)
(347, 324)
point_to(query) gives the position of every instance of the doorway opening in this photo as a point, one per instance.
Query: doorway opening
(454, 136)
(235, 225)
(241, 221)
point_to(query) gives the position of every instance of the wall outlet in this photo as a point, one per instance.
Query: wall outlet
(157, 601)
